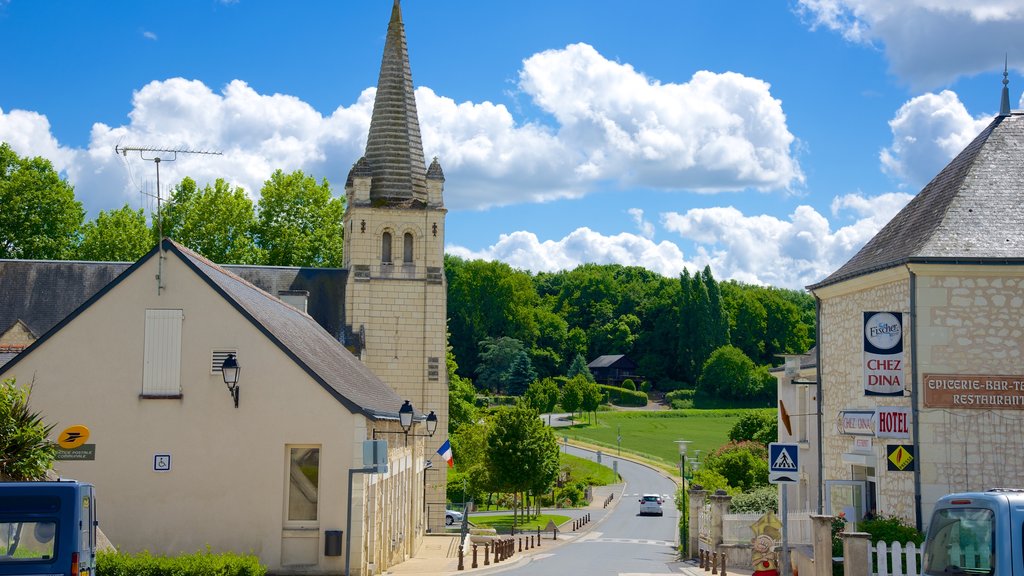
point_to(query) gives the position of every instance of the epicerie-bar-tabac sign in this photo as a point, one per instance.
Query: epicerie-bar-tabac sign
(974, 391)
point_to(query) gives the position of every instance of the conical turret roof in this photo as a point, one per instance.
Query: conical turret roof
(394, 148)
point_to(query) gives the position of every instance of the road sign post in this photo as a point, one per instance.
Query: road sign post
(784, 469)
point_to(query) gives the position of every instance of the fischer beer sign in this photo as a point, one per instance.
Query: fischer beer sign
(883, 353)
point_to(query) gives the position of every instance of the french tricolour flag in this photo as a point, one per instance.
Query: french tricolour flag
(446, 452)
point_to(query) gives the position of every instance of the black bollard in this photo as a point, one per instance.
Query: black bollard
(487, 554)
(474, 557)
(462, 562)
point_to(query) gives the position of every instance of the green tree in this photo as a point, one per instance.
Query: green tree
(758, 426)
(522, 453)
(115, 236)
(572, 394)
(520, 374)
(39, 216)
(461, 395)
(300, 221)
(25, 451)
(216, 221)
(488, 300)
(743, 464)
(542, 395)
(497, 355)
(579, 368)
(591, 397)
(730, 374)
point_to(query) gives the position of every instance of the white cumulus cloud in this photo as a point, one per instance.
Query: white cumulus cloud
(794, 252)
(927, 132)
(928, 43)
(525, 251)
(716, 132)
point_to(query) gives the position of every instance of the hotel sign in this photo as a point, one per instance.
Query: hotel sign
(977, 391)
(883, 353)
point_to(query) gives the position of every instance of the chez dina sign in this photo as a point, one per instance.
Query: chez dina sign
(882, 422)
(979, 391)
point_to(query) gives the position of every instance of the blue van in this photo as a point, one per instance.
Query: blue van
(47, 528)
(977, 534)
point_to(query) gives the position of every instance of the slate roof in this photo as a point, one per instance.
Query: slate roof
(971, 212)
(394, 148)
(297, 334)
(608, 361)
(41, 293)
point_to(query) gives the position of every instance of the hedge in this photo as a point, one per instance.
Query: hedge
(680, 399)
(199, 564)
(623, 397)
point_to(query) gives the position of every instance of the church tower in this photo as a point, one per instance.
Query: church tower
(396, 293)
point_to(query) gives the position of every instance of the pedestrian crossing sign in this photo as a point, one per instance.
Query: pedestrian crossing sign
(783, 463)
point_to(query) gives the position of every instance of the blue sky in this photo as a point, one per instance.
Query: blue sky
(768, 140)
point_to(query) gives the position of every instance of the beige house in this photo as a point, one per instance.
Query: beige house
(798, 424)
(920, 341)
(327, 358)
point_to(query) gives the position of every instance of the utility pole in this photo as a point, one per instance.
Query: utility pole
(143, 150)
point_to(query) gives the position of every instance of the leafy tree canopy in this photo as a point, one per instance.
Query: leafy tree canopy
(39, 218)
(300, 221)
(217, 221)
(115, 236)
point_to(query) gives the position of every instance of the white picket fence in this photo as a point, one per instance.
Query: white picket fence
(896, 559)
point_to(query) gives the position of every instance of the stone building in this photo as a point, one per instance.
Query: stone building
(920, 341)
(328, 356)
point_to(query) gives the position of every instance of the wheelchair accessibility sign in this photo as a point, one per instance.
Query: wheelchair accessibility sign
(783, 463)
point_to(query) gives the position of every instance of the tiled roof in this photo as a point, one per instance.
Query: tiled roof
(394, 148)
(973, 210)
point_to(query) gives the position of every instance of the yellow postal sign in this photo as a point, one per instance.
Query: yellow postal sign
(72, 437)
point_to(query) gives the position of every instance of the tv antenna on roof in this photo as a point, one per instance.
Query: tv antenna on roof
(156, 159)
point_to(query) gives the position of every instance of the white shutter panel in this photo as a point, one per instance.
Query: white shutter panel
(162, 370)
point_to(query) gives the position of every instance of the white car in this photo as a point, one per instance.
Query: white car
(650, 504)
(451, 517)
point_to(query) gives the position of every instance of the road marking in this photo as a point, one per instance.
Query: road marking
(598, 539)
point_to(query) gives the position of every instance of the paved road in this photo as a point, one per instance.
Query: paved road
(618, 541)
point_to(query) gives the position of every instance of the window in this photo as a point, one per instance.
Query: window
(385, 248)
(27, 539)
(161, 375)
(961, 541)
(407, 248)
(303, 484)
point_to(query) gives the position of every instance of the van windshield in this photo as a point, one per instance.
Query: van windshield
(960, 541)
(31, 540)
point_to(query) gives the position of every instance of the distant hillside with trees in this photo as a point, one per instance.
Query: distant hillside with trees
(671, 327)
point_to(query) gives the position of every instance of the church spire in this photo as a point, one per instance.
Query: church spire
(1004, 102)
(394, 148)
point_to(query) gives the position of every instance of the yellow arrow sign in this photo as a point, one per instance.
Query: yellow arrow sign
(73, 437)
(901, 458)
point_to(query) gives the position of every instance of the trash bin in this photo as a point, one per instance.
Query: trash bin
(332, 542)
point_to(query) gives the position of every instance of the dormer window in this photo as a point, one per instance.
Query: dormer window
(385, 248)
(407, 248)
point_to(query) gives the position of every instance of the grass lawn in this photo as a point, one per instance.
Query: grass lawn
(583, 469)
(653, 434)
(503, 523)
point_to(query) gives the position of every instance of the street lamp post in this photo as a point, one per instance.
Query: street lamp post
(685, 539)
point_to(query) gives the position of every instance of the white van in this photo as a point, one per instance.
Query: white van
(976, 533)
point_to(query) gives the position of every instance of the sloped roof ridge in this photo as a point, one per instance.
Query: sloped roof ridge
(910, 230)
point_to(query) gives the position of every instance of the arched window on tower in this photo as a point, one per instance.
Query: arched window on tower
(385, 248)
(407, 248)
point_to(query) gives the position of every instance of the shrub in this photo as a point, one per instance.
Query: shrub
(629, 384)
(759, 426)
(680, 399)
(645, 386)
(623, 397)
(890, 529)
(744, 464)
(199, 564)
(760, 500)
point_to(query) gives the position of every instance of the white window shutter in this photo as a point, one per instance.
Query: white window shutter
(162, 362)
